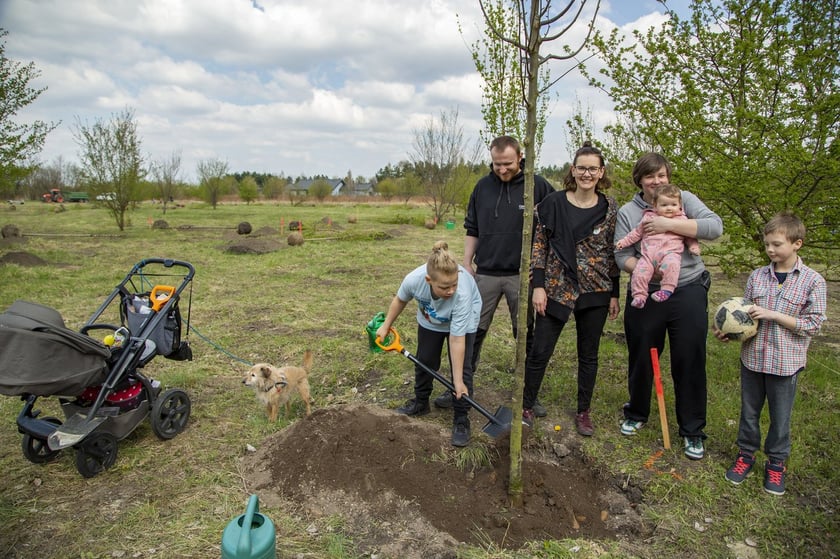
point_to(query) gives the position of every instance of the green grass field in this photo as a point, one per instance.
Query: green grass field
(175, 499)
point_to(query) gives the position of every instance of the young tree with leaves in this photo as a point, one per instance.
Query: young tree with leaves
(165, 177)
(111, 162)
(538, 23)
(248, 190)
(742, 97)
(439, 148)
(211, 179)
(503, 89)
(19, 143)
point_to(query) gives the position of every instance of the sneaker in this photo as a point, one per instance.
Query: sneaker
(460, 434)
(444, 401)
(539, 409)
(413, 407)
(774, 477)
(694, 447)
(741, 468)
(583, 424)
(631, 427)
(528, 417)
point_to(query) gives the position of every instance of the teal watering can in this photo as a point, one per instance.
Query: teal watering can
(250, 535)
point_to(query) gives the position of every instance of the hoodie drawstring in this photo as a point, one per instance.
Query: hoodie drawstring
(505, 188)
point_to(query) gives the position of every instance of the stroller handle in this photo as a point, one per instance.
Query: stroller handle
(167, 263)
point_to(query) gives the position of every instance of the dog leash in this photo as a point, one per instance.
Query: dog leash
(217, 346)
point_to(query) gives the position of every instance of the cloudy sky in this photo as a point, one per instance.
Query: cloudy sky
(294, 88)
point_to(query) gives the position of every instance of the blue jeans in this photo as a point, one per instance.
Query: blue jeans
(779, 392)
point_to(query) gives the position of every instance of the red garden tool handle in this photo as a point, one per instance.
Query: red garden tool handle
(160, 295)
(660, 397)
(394, 344)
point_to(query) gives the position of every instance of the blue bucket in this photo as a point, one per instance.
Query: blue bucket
(250, 535)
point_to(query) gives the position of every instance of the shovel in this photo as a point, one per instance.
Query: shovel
(498, 424)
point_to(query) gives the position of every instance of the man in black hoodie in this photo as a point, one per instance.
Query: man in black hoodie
(493, 245)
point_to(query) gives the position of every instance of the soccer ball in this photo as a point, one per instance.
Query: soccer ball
(732, 318)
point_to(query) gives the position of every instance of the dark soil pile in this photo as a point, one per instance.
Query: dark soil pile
(395, 482)
(22, 259)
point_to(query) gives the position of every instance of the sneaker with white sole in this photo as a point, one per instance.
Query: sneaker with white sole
(631, 427)
(774, 477)
(741, 468)
(694, 447)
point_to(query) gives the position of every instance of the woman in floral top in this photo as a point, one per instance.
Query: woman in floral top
(573, 271)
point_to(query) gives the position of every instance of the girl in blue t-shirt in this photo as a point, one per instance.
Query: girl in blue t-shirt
(448, 310)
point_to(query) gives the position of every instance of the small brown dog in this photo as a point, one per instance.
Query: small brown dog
(275, 385)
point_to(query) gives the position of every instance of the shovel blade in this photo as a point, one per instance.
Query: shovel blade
(500, 424)
(76, 428)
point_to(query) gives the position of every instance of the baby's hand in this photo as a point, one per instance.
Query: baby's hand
(695, 250)
(619, 245)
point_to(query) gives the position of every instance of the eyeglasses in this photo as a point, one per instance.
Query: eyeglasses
(584, 170)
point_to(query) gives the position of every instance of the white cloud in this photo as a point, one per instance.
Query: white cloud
(285, 87)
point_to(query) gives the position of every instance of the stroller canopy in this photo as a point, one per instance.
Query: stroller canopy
(40, 356)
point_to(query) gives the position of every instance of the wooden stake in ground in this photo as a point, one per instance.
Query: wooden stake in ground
(660, 397)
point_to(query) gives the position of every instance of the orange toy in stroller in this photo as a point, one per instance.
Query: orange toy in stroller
(101, 388)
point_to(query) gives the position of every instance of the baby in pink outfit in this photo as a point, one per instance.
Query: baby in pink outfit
(660, 251)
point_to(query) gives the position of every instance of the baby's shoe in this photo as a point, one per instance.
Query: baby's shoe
(638, 302)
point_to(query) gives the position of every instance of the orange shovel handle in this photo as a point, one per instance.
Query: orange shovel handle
(394, 343)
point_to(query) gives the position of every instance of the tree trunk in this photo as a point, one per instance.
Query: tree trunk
(533, 68)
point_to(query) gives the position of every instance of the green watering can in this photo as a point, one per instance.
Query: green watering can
(250, 535)
(371, 329)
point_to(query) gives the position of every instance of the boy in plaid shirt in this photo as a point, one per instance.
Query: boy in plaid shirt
(790, 304)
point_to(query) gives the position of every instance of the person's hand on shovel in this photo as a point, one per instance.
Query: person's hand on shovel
(460, 389)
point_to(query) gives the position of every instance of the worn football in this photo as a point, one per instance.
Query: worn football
(733, 319)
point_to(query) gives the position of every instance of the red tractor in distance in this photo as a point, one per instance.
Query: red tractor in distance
(55, 195)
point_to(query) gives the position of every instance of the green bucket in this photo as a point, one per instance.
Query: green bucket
(450, 225)
(250, 535)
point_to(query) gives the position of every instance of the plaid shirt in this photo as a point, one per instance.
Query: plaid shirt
(775, 350)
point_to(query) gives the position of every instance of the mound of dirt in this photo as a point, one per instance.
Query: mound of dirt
(22, 259)
(253, 245)
(395, 482)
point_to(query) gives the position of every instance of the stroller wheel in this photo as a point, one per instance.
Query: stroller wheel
(96, 453)
(36, 450)
(170, 413)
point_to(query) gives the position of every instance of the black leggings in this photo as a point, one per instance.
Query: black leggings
(590, 324)
(429, 350)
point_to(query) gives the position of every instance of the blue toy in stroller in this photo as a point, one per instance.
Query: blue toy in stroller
(103, 393)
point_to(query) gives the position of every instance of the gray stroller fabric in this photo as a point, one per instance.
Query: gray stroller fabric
(40, 356)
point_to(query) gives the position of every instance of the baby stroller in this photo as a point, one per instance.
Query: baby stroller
(103, 393)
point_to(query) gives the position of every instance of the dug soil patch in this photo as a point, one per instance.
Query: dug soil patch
(25, 259)
(395, 483)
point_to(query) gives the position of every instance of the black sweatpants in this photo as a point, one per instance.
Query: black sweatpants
(684, 318)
